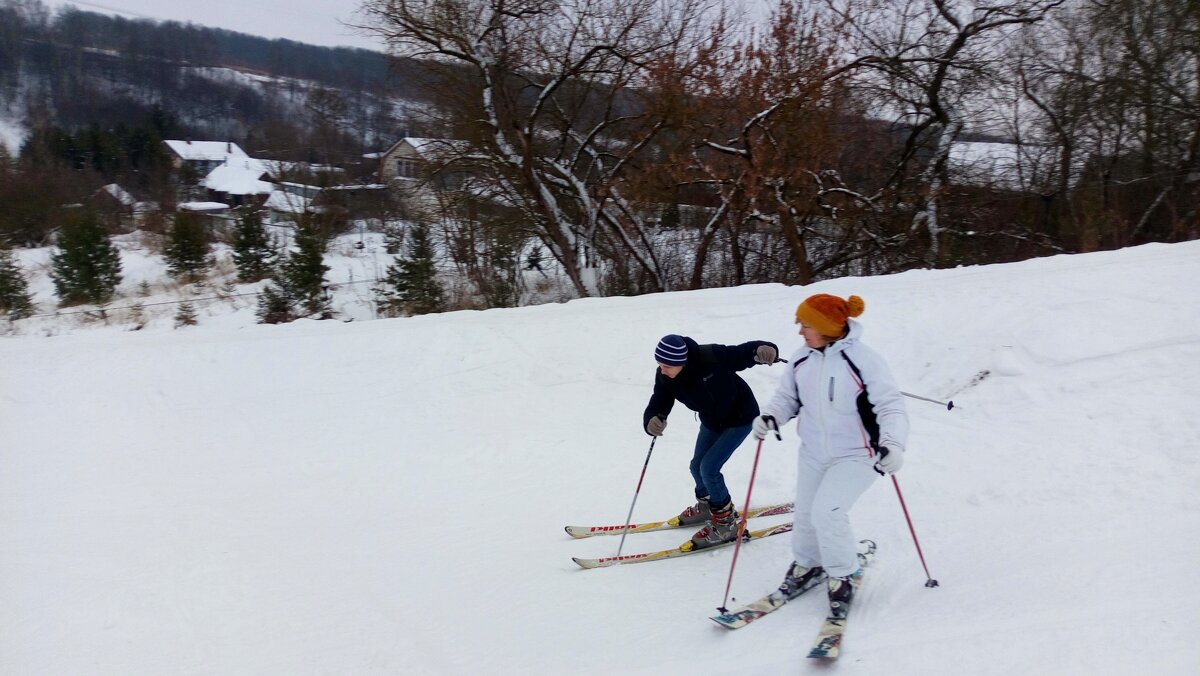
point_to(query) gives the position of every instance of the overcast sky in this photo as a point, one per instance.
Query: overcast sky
(318, 22)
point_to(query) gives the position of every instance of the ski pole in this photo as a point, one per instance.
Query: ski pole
(948, 404)
(929, 581)
(629, 518)
(742, 526)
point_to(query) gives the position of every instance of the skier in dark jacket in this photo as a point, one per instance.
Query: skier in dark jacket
(704, 379)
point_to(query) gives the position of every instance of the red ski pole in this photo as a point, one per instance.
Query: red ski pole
(929, 581)
(741, 527)
(629, 517)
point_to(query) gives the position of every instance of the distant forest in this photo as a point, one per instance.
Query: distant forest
(75, 69)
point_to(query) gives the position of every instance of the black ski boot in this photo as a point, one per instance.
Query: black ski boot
(799, 578)
(841, 594)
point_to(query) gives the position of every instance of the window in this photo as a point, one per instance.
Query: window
(406, 168)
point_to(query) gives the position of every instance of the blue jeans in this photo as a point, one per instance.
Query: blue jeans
(713, 448)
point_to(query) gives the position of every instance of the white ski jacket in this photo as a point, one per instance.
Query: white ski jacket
(845, 396)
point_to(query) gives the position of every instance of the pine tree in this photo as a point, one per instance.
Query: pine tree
(14, 290)
(305, 270)
(297, 287)
(252, 248)
(393, 238)
(137, 316)
(276, 304)
(87, 267)
(411, 284)
(185, 316)
(187, 251)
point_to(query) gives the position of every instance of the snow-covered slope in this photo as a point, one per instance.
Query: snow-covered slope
(388, 496)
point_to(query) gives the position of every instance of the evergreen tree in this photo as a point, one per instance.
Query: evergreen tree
(185, 316)
(304, 270)
(14, 291)
(393, 238)
(297, 287)
(137, 316)
(252, 249)
(187, 251)
(87, 267)
(411, 284)
(276, 305)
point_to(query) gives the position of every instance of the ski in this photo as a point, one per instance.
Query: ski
(775, 600)
(828, 644)
(669, 524)
(675, 552)
(768, 604)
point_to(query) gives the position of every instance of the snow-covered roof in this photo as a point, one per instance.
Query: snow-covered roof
(433, 148)
(206, 150)
(120, 194)
(287, 203)
(239, 177)
(203, 206)
(361, 186)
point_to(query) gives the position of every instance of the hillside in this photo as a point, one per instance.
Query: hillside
(388, 496)
(75, 69)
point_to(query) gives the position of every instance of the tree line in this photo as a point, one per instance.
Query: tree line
(821, 145)
(649, 146)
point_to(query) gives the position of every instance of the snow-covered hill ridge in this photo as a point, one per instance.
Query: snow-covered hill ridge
(388, 496)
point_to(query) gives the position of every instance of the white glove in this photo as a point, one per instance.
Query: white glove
(763, 424)
(766, 354)
(890, 459)
(655, 426)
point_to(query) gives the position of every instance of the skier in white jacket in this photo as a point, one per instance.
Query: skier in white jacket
(853, 427)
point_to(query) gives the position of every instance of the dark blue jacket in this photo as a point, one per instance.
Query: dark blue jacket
(709, 385)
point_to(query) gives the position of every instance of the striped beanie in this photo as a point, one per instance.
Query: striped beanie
(671, 351)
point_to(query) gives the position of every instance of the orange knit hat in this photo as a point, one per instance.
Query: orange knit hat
(827, 313)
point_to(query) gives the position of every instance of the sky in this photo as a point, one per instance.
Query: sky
(389, 496)
(318, 22)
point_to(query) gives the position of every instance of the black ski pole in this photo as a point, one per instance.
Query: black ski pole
(948, 404)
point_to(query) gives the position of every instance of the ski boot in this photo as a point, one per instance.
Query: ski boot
(799, 578)
(694, 514)
(722, 528)
(841, 594)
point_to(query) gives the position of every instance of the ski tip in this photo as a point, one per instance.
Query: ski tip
(586, 564)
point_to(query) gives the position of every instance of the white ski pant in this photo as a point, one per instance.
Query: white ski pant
(826, 488)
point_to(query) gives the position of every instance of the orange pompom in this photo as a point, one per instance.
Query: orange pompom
(855, 306)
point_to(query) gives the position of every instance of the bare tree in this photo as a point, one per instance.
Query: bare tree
(926, 64)
(555, 94)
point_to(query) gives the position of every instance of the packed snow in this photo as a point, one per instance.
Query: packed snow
(388, 496)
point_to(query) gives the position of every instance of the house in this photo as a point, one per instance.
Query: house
(239, 182)
(203, 156)
(216, 215)
(412, 158)
(284, 206)
(121, 209)
(345, 202)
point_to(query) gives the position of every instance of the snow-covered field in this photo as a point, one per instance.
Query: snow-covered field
(388, 496)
